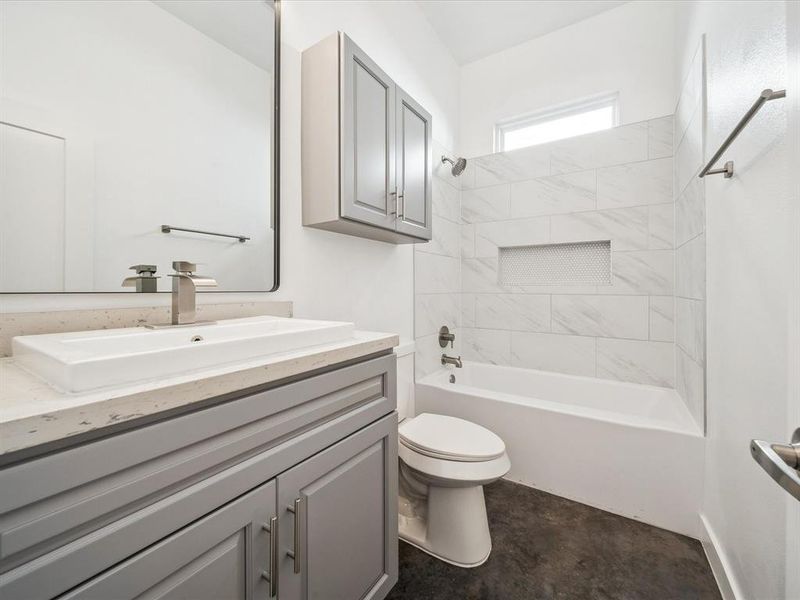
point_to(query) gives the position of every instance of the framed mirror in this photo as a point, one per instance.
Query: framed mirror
(135, 133)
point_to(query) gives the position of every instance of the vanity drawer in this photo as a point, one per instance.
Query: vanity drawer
(50, 501)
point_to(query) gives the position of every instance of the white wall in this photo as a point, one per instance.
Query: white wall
(330, 275)
(751, 220)
(629, 50)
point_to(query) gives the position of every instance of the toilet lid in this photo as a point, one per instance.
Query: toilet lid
(450, 438)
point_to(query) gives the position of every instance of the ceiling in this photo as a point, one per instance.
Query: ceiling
(243, 26)
(472, 29)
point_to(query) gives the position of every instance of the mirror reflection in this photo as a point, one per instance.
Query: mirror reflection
(136, 133)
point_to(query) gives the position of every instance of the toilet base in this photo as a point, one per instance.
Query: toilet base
(449, 523)
(447, 560)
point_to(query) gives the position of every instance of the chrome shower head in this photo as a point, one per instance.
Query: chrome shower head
(458, 166)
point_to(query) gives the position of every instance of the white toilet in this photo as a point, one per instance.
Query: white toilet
(444, 464)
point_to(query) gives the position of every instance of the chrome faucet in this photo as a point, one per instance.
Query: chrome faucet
(145, 281)
(451, 360)
(184, 291)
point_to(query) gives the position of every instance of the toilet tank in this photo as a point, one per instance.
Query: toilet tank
(405, 379)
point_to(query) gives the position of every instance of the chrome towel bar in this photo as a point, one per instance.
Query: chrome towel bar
(169, 228)
(727, 169)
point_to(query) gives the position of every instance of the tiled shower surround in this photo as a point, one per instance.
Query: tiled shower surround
(613, 185)
(690, 268)
(437, 271)
(616, 185)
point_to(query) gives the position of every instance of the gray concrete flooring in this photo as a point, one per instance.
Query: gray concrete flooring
(546, 547)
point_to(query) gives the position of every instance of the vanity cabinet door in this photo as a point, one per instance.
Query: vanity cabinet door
(414, 169)
(339, 519)
(219, 557)
(368, 139)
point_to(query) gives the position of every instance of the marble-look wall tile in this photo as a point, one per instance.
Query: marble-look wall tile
(627, 228)
(652, 363)
(570, 354)
(605, 316)
(635, 184)
(648, 272)
(434, 274)
(689, 191)
(431, 311)
(480, 275)
(468, 310)
(659, 137)
(521, 232)
(486, 346)
(485, 204)
(690, 211)
(446, 201)
(468, 241)
(446, 239)
(690, 385)
(617, 185)
(662, 318)
(661, 227)
(690, 333)
(514, 165)
(689, 154)
(556, 289)
(616, 146)
(691, 269)
(572, 192)
(521, 312)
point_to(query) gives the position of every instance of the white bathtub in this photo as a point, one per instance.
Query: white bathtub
(630, 449)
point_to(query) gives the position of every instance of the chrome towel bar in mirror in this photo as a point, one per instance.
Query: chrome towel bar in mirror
(170, 228)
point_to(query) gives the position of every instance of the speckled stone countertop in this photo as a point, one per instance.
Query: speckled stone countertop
(34, 413)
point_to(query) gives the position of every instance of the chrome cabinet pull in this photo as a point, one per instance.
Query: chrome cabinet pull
(401, 200)
(296, 554)
(272, 574)
(394, 195)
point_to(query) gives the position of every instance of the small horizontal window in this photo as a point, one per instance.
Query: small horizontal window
(557, 123)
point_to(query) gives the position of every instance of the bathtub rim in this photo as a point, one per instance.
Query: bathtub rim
(438, 379)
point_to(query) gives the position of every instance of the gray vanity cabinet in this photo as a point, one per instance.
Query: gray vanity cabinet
(366, 148)
(343, 504)
(177, 508)
(220, 557)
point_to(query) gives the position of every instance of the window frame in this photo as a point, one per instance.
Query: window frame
(552, 113)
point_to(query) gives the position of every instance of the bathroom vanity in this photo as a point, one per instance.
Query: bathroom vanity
(282, 484)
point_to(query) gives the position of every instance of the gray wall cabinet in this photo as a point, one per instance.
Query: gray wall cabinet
(289, 492)
(367, 157)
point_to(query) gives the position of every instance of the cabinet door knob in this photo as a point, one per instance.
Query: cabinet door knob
(296, 554)
(272, 574)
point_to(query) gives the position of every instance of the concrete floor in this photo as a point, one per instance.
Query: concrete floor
(547, 547)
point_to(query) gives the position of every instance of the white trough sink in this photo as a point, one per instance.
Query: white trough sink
(81, 361)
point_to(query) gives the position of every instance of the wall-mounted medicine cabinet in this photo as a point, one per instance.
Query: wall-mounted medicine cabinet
(366, 148)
